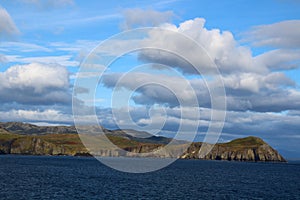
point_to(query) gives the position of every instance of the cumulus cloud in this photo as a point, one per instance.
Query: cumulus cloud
(252, 83)
(139, 17)
(284, 34)
(8, 28)
(221, 47)
(35, 84)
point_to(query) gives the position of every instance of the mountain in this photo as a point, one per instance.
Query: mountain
(3, 131)
(21, 138)
(30, 129)
(25, 128)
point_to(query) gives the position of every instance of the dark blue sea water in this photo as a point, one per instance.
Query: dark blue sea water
(34, 177)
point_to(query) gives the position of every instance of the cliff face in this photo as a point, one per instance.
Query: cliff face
(32, 146)
(39, 146)
(68, 144)
(257, 151)
(244, 149)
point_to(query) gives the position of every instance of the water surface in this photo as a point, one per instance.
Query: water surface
(41, 177)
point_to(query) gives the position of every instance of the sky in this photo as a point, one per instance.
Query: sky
(254, 44)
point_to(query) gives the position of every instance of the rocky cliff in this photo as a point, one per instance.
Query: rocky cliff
(244, 149)
(30, 145)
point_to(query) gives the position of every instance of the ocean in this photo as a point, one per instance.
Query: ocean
(54, 177)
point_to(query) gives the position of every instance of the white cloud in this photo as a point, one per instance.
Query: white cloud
(138, 17)
(254, 83)
(48, 115)
(284, 34)
(263, 123)
(35, 84)
(8, 28)
(221, 47)
(275, 100)
(274, 92)
(36, 76)
(251, 83)
(279, 59)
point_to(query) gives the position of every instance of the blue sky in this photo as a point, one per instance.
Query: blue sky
(256, 46)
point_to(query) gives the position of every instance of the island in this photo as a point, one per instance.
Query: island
(28, 139)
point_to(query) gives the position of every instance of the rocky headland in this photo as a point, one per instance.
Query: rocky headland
(28, 139)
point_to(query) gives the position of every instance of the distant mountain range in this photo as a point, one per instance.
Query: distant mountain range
(29, 139)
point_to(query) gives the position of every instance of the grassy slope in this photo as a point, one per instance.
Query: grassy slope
(242, 142)
(72, 141)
